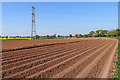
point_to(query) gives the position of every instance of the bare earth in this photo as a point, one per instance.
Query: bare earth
(65, 58)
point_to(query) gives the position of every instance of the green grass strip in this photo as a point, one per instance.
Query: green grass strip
(117, 66)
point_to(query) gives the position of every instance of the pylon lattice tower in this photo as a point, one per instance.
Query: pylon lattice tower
(33, 32)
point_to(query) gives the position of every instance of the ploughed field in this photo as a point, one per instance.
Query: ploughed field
(67, 58)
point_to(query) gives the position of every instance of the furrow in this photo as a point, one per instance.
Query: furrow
(52, 61)
(29, 56)
(98, 67)
(18, 54)
(69, 59)
(106, 67)
(34, 58)
(72, 67)
(89, 67)
(6, 54)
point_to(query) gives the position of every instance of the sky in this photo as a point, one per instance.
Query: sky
(60, 0)
(61, 18)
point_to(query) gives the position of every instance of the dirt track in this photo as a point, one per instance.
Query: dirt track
(80, 58)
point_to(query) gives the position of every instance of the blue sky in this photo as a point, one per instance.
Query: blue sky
(61, 18)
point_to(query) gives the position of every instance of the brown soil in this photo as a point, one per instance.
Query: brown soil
(65, 58)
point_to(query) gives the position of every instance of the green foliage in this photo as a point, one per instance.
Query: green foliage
(91, 33)
(101, 33)
(6, 36)
(53, 36)
(112, 33)
(70, 36)
(117, 66)
(118, 30)
(104, 33)
(59, 36)
(86, 35)
(37, 36)
(96, 35)
(78, 35)
(48, 36)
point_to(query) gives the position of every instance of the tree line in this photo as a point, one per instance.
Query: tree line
(97, 33)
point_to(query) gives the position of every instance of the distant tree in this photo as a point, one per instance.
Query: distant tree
(86, 35)
(37, 36)
(54, 35)
(113, 33)
(91, 33)
(97, 34)
(17, 36)
(47, 36)
(59, 36)
(118, 30)
(80, 35)
(6, 36)
(103, 33)
(66, 36)
(76, 35)
(70, 35)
